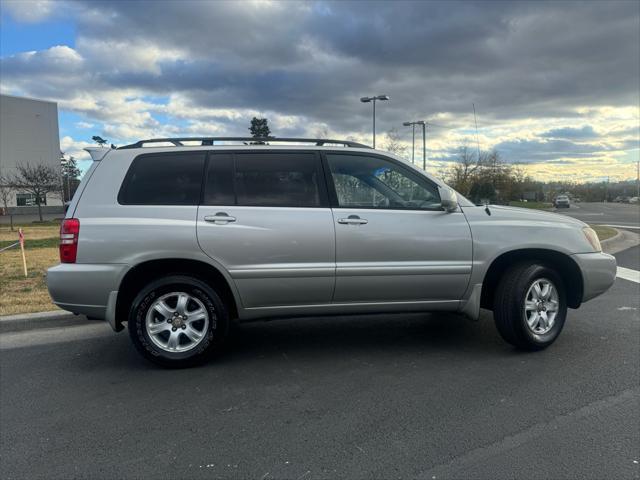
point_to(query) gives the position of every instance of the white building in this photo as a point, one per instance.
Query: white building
(29, 134)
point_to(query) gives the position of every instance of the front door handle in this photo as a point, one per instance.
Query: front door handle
(219, 218)
(353, 220)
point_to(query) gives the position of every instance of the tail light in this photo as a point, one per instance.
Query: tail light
(69, 231)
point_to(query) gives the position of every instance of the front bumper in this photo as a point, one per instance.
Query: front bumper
(598, 273)
(88, 289)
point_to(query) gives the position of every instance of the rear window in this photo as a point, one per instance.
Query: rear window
(163, 179)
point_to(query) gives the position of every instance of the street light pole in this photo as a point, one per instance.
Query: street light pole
(424, 146)
(373, 100)
(424, 140)
(413, 143)
(413, 139)
(374, 123)
(638, 179)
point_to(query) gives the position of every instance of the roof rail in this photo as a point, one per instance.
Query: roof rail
(208, 141)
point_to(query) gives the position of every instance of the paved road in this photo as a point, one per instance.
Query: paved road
(605, 213)
(424, 396)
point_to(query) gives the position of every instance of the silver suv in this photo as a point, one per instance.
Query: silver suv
(181, 237)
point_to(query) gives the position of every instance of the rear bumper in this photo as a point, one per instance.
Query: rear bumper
(88, 289)
(598, 273)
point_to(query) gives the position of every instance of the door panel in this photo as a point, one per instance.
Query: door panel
(393, 240)
(269, 225)
(276, 255)
(401, 255)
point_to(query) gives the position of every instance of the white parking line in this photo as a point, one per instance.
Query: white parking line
(628, 274)
(622, 226)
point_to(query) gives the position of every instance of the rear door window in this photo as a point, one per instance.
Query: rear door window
(164, 179)
(289, 179)
(219, 184)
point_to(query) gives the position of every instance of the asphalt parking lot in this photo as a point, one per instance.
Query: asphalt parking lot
(400, 396)
(621, 215)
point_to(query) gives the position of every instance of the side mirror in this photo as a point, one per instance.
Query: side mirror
(448, 199)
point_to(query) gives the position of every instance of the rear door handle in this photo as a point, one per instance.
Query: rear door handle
(219, 218)
(353, 220)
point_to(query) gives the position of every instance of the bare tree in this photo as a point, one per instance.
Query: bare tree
(394, 144)
(464, 171)
(321, 132)
(5, 194)
(38, 180)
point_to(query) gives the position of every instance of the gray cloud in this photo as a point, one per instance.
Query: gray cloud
(585, 132)
(514, 60)
(535, 151)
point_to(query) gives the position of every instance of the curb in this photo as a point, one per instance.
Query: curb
(621, 241)
(35, 321)
(608, 241)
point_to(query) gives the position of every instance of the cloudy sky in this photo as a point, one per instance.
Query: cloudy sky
(556, 84)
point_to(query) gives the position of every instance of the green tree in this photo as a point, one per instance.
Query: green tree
(259, 128)
(482, 192)
(70, 176)
(99, 140)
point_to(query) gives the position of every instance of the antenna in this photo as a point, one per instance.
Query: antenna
(476, 122)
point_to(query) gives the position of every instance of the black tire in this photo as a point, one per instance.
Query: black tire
(509, 301)
(213, 336)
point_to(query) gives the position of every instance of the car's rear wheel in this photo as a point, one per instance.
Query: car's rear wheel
(178, 321)
(530, 306)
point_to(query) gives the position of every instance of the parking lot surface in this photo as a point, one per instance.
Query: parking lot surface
(424, 396)
(616, 214)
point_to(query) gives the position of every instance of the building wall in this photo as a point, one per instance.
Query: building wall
(28, 134)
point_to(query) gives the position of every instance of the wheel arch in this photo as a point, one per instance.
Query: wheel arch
(566, 267)
(142, 273)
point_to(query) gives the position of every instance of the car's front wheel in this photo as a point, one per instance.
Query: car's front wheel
(178, 321)
(530, 306)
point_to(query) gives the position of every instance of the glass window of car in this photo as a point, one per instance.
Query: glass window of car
(371, 182)
(164, 179)
(218, 189)
(278, 179)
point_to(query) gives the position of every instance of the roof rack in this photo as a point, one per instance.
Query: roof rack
(208, 141)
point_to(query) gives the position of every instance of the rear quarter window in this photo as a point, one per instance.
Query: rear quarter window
(164, 179)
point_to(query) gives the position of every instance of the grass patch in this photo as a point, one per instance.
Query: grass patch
(534, 205)
(32, 231)
(29, 244)
(26, 295)
(604, 232)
